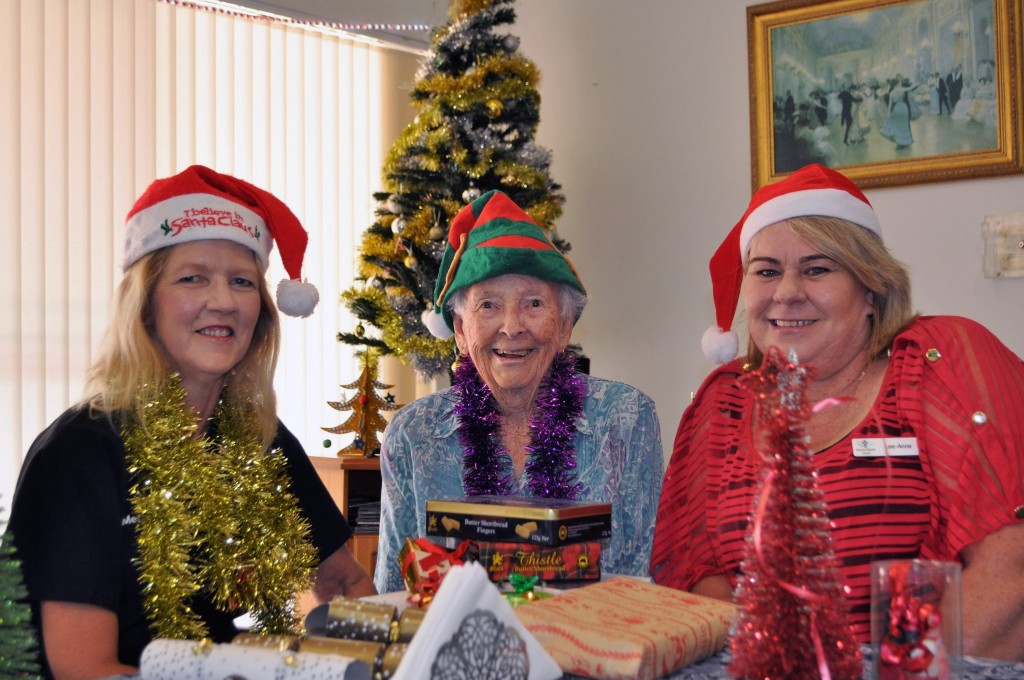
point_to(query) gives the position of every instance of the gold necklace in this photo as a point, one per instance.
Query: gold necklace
(856, 383)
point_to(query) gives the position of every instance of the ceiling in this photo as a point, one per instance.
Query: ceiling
(431, 13)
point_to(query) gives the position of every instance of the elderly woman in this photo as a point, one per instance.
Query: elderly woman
(518, 420)
(171, 500)
(817, 279)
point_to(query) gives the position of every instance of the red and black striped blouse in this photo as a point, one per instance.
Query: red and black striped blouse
(950, 384)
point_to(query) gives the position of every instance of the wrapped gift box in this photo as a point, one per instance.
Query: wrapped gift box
(573, 562)
(627, 628)
(544, 521)
(424, 564)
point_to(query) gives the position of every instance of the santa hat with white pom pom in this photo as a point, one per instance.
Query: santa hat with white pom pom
(201, 204)
(812, 190)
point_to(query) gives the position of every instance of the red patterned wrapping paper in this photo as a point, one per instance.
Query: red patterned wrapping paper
(627, 628)
(573, 562)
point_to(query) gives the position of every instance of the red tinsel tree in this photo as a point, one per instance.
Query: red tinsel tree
(792, 610)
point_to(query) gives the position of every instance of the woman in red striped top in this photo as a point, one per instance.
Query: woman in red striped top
(922, 457)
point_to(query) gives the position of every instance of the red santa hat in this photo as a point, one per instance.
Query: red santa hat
(812, 190)
(201, 204)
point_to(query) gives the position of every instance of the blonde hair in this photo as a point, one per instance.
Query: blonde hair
(862, 253)
(130, 358)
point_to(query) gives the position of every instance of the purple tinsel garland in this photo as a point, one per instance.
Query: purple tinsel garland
(551, 464)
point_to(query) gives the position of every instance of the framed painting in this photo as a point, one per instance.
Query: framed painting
(889, 92)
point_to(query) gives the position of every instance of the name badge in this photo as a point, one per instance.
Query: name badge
(888, 446)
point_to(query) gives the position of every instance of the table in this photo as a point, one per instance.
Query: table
(716, 668)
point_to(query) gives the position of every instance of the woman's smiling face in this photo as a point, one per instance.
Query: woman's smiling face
(205, 306)
(512, 326)
(798, 298)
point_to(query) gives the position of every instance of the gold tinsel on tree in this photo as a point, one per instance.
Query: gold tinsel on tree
(478, 114)
(366, 406)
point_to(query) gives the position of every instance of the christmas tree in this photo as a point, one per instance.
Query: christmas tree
(791, 619)
(366, 406)
(17, 636)
(478, 113)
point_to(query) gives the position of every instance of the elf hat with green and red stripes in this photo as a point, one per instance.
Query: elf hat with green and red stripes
(490, 237)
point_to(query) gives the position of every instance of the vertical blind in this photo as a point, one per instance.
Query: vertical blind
(100, 97)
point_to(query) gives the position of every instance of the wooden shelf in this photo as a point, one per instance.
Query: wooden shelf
(355, 462)
(346, 478)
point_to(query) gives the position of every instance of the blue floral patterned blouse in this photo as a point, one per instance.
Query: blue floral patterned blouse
(618, 457)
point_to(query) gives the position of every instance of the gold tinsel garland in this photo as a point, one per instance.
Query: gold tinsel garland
(466, 8)
(515, 72)
(214, 516)
(501, 91)
(429, 133)
(393, 333)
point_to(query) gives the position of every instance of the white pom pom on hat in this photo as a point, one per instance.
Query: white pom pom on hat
(811, 190)
(435, 323)
(720, 346)
(297, 298)
(202, 204)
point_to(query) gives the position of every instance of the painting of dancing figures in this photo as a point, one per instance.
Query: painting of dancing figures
(889, 92)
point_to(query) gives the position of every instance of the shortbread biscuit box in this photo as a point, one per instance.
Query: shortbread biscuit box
(543, 521)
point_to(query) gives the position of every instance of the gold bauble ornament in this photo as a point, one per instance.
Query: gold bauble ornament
(360, 330)
(436, 233)
(411, 262)
(495, 107)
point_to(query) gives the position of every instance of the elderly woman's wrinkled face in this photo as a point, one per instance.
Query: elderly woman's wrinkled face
(798, 298)
(205, 306)
(512, 326)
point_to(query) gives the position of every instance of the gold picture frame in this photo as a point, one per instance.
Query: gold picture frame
(897, 63)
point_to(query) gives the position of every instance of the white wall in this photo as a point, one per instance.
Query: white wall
(645, 108)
